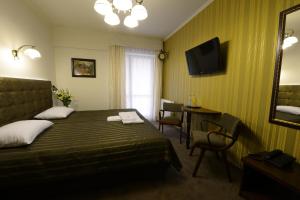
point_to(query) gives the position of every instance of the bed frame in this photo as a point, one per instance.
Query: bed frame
(82, 145)
(22, 99)
(289, 95)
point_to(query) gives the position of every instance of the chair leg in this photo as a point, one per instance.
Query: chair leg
(159, 126)
(162, 128)
(217, 155)
(224, 155)
(180, 136)
(192, 150)
(198, 162)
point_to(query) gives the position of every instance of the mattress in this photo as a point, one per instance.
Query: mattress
(85, 143)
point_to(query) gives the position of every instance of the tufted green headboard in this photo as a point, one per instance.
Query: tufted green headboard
(22, 99)
(289, 95)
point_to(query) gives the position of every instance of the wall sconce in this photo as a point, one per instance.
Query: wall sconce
(163, 55)
(289, 39)
(54, 89)
(29, 50)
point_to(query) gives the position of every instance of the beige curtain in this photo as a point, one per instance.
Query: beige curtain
(117, 85)
(117, 77)
(157, 85)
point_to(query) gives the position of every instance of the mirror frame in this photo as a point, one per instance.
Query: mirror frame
(282, 20)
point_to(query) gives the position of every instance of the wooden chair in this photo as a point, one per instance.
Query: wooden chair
(176, 118)
(214, 140)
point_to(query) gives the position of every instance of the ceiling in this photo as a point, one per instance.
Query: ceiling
(164, 16)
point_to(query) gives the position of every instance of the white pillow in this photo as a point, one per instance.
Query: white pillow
(289, 109)
(58, 112)
(22, 132)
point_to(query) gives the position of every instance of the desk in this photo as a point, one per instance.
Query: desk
(264, 181)
(190, 111)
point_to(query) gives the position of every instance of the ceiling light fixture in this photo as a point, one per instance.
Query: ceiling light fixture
(139, 12)
(123, 5)
(130, 21)
(289, 39)
(111, 9)
(29, 50)
(103, 7)
(112, 19)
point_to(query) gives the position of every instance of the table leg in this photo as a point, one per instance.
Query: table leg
(188, 128)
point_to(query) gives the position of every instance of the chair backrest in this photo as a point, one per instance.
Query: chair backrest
(230, 123)
(173, 107)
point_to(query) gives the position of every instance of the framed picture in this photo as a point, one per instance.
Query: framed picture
(83, 67)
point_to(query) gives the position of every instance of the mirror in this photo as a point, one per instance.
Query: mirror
(285, 105)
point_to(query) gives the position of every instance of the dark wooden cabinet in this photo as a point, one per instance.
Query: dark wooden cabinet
(263, 181)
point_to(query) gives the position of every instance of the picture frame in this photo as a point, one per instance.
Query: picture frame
(83, 67)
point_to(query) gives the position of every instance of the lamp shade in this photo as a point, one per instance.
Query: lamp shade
(32, 53)
(103, 7)
(291, 40)
(130, 22)
(286, 45)
(139, 12)
(115, 10)
(112, 19)
(123, 4)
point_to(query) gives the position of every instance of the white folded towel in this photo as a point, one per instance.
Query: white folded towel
(113, 118)
(130, 117)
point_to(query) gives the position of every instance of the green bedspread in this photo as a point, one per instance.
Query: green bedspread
(85, 143)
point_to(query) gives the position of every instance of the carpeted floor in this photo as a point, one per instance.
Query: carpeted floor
(211, 182)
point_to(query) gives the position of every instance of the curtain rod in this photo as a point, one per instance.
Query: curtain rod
(94, 49)
(158, 50)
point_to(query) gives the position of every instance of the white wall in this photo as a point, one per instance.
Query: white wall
(90, 93)
(290, 69)
(19, 26)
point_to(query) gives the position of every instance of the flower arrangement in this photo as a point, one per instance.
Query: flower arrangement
(64, 96)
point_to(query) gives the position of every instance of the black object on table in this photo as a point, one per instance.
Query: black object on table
(276, 158)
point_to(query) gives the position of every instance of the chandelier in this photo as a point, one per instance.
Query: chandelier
(110, 10)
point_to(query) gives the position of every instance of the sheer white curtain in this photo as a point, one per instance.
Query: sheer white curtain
(143, 73)
(157, 86)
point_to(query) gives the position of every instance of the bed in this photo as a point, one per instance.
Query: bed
(289, 97)
(83, 144)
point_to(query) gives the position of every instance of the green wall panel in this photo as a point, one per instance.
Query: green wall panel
(249, 28)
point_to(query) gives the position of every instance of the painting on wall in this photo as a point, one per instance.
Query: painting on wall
(83, 68)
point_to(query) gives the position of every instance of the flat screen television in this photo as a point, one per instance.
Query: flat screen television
(205, 58)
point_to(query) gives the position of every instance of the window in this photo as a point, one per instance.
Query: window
(139, 81)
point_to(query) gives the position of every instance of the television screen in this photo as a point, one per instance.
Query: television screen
(205, 58)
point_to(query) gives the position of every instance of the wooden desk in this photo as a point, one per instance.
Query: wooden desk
(190, 111)
(263, 181)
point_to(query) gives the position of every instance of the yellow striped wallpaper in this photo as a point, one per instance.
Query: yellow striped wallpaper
(249, 28)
